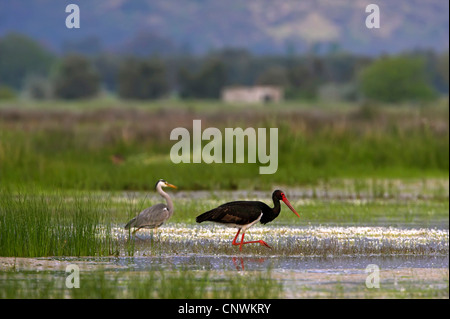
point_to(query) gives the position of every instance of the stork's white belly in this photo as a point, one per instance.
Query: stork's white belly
(244, 227)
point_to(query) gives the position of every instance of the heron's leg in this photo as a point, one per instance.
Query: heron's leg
(263, 243)
(134, 234)
(154, 233)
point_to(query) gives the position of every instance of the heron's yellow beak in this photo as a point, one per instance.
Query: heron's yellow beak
(170, 185)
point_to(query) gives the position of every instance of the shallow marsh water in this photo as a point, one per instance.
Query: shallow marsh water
(289, 277)
(199, 267)
(406, 236)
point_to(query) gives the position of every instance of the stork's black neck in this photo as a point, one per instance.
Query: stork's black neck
(276, 206)
(270, 214)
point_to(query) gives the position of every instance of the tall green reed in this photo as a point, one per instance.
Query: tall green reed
(34, 224)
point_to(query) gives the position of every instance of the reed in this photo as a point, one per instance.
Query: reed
(127, 148)
(49, 224)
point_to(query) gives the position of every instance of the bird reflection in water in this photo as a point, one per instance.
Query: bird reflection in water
(238, 262)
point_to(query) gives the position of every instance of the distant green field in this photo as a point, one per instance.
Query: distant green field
(117, 145)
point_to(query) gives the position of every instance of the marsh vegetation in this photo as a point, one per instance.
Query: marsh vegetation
(101, 145)
(367, 182)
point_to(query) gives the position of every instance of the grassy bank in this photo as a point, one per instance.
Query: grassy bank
(127, 146)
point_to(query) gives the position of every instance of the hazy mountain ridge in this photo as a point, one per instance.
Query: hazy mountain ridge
(262, 26)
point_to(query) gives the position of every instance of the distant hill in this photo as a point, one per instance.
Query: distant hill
(261, 26)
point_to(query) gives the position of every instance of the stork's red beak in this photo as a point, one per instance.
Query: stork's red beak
(285, 200)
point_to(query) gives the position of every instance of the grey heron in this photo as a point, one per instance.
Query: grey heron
(156, 215)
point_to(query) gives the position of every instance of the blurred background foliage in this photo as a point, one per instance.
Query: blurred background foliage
(27, 68)
(93, 108)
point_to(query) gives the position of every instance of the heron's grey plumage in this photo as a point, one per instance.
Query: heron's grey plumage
(156, 215)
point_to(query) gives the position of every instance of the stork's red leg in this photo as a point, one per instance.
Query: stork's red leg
(234, 240)
(235, 263)
(250, 242)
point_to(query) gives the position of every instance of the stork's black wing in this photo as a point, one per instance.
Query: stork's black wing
(239, 213)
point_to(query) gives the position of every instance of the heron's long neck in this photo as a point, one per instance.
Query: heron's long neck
(167, 197)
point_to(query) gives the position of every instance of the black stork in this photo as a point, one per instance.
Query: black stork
(244, 214)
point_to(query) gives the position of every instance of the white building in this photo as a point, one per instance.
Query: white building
(254, 94)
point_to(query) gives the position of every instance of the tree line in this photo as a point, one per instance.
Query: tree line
(28, 67)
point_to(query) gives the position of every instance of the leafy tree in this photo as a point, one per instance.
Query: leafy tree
(21, 56)
(394, 79)
(442, 70)
(207, 83)
(304, 82)
(76, 78)
(275, 75)
(142, 79)
(108, 65)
